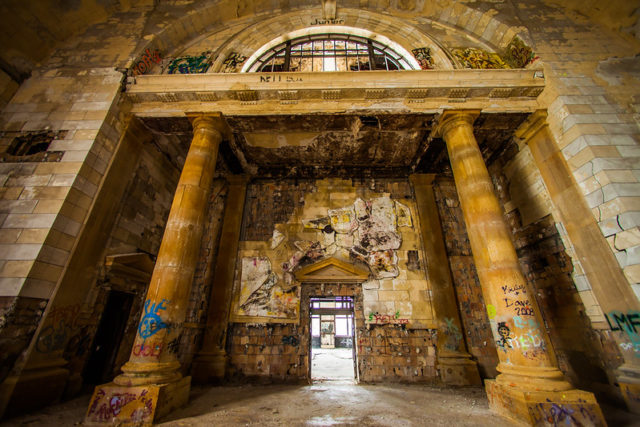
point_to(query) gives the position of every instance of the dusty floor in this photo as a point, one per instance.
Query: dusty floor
(329, 403)
(332, 363)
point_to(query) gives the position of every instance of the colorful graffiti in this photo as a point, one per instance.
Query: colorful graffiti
(579, 413)
(190, 64)
(233, 61)
(148, 350)
(151, 322)
(518, 54)
(143, 65)
(478, 59)
(423, 56)
(387, 319)
(126, 405)
(627, 323)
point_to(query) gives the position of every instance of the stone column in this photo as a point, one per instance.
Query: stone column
(151, 384)
(529, 383)
(608, 283)
(456, 366)
(211, 362)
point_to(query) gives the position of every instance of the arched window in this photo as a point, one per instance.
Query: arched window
(329, 52)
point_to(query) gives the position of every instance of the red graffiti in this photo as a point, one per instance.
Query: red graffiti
(146, 350)
(383, 319)
(145, 63)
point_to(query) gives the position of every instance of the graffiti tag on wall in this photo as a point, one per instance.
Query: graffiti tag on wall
(144, 64)
(387, 319)
(579, 413)
(627, 324)
(61, 323)
(190, 64)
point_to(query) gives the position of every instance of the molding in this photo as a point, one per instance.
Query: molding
(332, 270)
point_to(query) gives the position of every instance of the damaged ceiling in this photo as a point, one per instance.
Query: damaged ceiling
(320, 145)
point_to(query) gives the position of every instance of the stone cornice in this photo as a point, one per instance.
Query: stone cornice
(266, 93)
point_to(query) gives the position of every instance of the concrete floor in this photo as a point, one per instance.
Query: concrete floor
(325, 403)
(332, 363)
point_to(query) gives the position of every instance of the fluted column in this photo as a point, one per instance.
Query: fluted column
(152, 372)
(211, 361)
(528, 368)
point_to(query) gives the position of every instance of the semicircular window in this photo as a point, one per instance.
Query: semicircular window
(330, 52)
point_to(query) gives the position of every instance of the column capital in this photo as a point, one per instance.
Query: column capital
(208, 121)
(530, 127)
(451, 118)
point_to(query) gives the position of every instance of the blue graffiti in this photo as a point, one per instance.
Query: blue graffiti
(151, 321)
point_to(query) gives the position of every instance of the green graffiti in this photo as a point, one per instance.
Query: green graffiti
(190, 64)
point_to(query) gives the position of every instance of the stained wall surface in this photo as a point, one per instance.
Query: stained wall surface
(55, 206)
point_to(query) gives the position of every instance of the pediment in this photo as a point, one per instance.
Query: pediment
(332, 270)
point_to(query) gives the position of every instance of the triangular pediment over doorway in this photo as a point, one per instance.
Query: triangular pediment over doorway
(332, 270)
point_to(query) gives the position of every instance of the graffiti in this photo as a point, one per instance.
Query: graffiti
(232, 62)
(478, 59)
(145, 63)
(291, 340)
(127, 405)
(519, 322)
(385, 319)
(423, 56)
(518, 54)
(151, 321)
(452, 331)
(571, 414)
(147, 350)
(515, 290)
(279, 78)
(337, 21)
(491, 311)
(521, 307)
(505, 336)
(629, 324)
(174, 345)
(189, 64)
(61, 322)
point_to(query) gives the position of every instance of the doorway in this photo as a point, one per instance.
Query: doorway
(100, 366)
(332, 354)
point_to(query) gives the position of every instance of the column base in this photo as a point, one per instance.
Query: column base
(209, 367)
(139, 405)
(459, 371)
(570, 407)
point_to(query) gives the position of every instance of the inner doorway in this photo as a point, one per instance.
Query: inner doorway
(332, 338)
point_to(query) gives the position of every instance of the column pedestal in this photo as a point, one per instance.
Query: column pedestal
(570, 407)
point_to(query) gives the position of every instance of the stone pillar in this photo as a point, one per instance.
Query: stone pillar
(608, 283)
(151, 384)
(211, 362)
(455, 364)
(530, 386)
